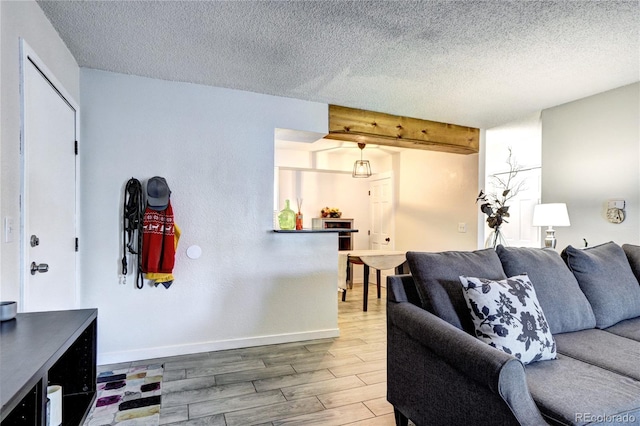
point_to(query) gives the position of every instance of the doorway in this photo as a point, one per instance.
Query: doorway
(522, 140)
(48, 189)
(381, 208)
(381, 211)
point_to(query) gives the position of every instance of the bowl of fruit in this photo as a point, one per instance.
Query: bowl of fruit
(332, 212)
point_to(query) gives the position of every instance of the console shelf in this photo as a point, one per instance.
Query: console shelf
(47, 348)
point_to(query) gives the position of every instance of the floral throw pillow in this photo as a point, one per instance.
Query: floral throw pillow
(507, 315)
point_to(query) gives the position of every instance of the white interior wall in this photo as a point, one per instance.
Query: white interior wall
(293, 158)
(215, 147)
(332, 160)
(23, 19)
(524, 137)
(435, 192)
(344, 159)
(590, 154)
(1, 125)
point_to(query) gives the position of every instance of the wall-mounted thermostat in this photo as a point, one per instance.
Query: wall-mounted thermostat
(615, 211)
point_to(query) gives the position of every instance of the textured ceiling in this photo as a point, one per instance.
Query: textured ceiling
(475, 63)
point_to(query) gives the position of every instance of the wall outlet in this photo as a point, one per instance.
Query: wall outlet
(616, 204)
(462, 227)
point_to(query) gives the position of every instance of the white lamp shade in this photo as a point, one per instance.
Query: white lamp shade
(552, 214)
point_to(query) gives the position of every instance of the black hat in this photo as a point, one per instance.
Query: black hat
(158, 193)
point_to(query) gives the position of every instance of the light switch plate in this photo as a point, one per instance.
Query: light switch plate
(616, 204)
(8, 229)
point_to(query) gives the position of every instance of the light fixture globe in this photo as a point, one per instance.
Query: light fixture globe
(361, 168)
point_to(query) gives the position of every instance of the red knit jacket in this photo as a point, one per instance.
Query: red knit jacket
(158, 241)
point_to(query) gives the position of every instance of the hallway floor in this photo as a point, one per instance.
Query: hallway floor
(336, 381)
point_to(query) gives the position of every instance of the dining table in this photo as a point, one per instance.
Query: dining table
(377, 259)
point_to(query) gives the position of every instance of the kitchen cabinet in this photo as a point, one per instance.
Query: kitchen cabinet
(344, 227)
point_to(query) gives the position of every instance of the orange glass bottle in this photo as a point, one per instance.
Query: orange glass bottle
(299, 221)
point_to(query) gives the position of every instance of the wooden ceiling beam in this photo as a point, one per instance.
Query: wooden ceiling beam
(361, 126)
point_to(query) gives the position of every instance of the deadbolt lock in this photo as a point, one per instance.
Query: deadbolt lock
(35, 241)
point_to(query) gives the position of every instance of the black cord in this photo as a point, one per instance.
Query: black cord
(139, 277)
(124, 230)
(133, 213)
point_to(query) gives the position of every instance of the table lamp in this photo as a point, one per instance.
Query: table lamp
(550, 215)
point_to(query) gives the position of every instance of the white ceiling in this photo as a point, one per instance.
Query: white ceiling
(474, 63)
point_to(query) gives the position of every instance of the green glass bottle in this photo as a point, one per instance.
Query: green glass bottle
(287, 217)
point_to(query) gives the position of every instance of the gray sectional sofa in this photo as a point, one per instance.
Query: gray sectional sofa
(441, 372)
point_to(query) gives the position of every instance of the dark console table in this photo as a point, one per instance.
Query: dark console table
(38, 349)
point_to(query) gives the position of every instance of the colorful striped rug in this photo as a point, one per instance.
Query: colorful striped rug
(128, 397)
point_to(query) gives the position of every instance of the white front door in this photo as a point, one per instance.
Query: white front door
(48, 190)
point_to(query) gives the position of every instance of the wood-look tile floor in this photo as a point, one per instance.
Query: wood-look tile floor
(337, 381)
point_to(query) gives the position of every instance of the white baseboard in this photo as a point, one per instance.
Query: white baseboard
(221, 345)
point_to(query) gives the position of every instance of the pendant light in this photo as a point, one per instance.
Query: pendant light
(361, 168)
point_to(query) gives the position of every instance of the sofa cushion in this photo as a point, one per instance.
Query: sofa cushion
(633, 256)
(605, 277)
(603, 349)
(571, 392)
(507, 315)
(564, 304)
(628, 328)
(438, 283)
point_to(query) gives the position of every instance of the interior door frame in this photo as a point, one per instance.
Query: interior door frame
(27, 54)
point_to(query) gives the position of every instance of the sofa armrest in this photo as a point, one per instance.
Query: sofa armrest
(401, 288)
(463, 352)
(451, 356)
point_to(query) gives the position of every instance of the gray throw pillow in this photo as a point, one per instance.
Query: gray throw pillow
(633, 256)
(437, 280)
(564, 304)
(605, 277)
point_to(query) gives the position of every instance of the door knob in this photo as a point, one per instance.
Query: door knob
(387, 239)
(42, 267)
